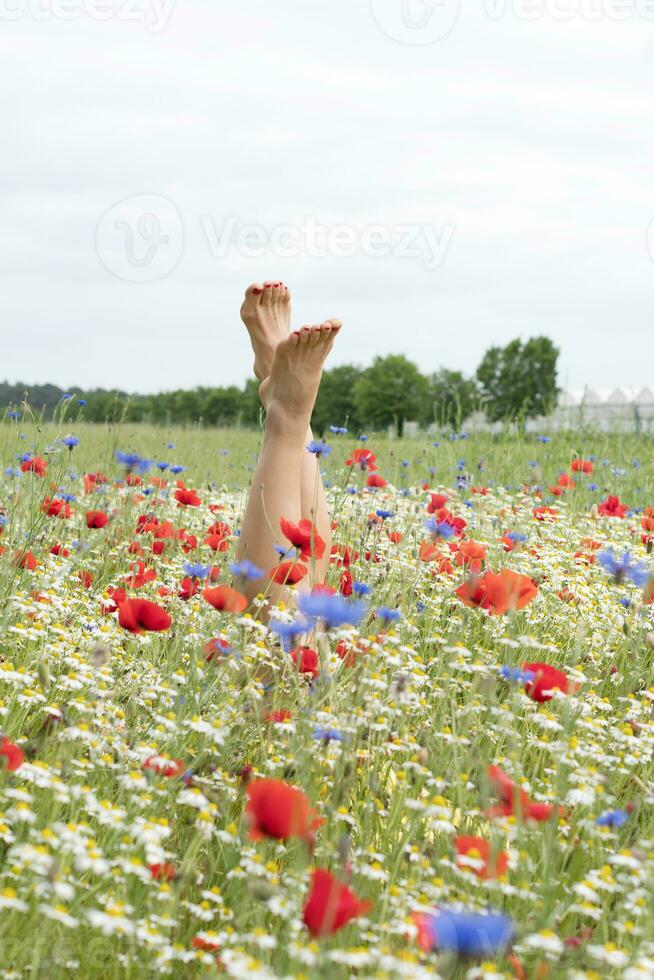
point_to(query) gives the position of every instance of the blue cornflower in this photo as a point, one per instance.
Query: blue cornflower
(360, 588)
(82, 402)
(516, 675)
(170, 445)
(421, 606)
(623, 568)
(196, 571)
(465, 933)
(338, 430)
(10, 471)
(247, 570)
(127, 459)
(334, 610)
(319, 448)
(517, 537)
(70, 441)
(384, 514)
(162, 466)
(440, 529)
(66, 397)
(405, 463)
(388, 615)
(461, 465)
(612, 818)
(363, 437)
(544, 439)
(351, 490)
(69, 498)
(462, 482)
(13, 415)
(593, 486)
(177, 469)
(289, 632)
(626, 603)
(328, 735)
(4, 520)
(436, 444)
(619, 471)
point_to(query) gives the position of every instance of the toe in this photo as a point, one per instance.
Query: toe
(315, 335)
(253, 293)
(304, 334)
(266, 296)
(286, 294)
(277, 291)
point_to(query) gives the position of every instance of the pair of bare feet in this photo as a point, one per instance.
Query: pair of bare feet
(288, 364)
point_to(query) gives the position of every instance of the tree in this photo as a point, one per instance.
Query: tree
(519, 379)
(452, 398)
(391, 392)
(335, 404)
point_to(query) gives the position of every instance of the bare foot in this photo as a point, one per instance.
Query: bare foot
(266, 312)
(289, 394)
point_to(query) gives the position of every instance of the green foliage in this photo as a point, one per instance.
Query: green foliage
(390, 392)
(336, 404)
(519, 380)
(451, 399)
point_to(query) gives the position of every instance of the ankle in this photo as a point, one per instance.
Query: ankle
(286, 423)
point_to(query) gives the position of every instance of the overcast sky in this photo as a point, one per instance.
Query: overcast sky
(438, 193)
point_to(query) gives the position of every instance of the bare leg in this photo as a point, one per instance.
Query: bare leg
(288, 394)
(266, 312)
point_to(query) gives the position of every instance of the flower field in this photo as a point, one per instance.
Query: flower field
(439, 765)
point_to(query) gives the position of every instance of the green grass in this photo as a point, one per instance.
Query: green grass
(423, 713)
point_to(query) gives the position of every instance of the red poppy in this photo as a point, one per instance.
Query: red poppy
(514, 802)
(187, 498)
(92, 480)
(277, 809)
(471, 554)
(581, 466)
(330, 904)
(288, 573)
(225, 599)
(457, 524)
(437, 502)
(96, 519)
(376, 481)
(86, 579)
(547, 679)
(188, 588)
(141, 615)
(545, 513)
(612, 507)
(565, 480)
(141, 575)
(304, 537)
(345, 584)
(116, 596)
(217, 542)
(395, 537)
(498, 594)
(349, 652)
(59, 550)
(306, 660)
(25, 559)
(11, 757)
(493, 863)
(56, 508)
(279, 717)
(165, 766)
(162, 872)
(34, 465)
(364, 459)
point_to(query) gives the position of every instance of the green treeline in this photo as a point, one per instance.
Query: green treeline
(518, 380)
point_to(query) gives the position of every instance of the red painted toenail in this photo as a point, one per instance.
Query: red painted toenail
(257, 291)
(267, 285)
